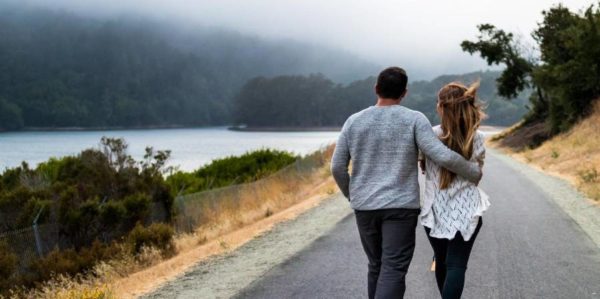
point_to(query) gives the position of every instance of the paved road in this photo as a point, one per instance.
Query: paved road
(528, 248)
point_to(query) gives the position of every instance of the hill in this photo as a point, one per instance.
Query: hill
(59, 69)
(313, 101)
(573, 155)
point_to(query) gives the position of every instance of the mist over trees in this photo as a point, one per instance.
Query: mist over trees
(61, 70)
(313, 101)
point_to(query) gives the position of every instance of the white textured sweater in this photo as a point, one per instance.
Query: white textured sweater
(458, 207)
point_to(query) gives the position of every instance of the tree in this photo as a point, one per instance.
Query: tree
(496, 47)
(10, 116)
(566, 79)
(300, 101)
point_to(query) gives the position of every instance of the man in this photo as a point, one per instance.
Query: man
(383, 142)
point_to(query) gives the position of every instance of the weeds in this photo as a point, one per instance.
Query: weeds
(574, 155)
(589, 175)
(268, 213)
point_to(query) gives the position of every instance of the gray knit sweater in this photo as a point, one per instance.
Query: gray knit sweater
(383, 143)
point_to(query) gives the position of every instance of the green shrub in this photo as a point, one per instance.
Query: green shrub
(157, 235)
(589, 175)
(232, 170)
(99, 194)
(69, 261)
(8, 266)
(112, 212)
(137, 206)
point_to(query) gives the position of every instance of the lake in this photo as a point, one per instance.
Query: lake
(190, 148)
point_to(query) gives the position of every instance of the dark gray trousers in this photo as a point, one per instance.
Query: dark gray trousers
(388, 238)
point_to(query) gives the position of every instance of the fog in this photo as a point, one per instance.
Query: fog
(422, 36)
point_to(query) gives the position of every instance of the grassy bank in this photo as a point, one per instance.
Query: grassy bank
(573, 155)
(249, 188)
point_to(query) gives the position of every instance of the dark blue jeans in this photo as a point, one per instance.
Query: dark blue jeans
(388, 238)
(451, 258)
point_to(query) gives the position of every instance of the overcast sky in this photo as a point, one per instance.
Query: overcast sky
(417, 34)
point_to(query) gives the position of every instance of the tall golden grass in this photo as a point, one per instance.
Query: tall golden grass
(574, 155)
(212, 214)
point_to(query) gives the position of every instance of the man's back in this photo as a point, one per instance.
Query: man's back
(381, 144)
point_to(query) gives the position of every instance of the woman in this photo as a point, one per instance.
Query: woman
(452, 206)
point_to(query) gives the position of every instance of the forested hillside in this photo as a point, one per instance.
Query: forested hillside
(309, 101)
(59, 69)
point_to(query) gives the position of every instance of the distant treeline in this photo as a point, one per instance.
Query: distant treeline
(61, 70)
(308, 101)
(565, 78)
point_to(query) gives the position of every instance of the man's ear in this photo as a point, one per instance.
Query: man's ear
(376, 88)
(404, 94)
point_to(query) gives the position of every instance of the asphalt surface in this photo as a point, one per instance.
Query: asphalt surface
(527, 248)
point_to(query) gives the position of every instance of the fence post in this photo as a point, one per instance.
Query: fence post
(180, 205)
(36, 233)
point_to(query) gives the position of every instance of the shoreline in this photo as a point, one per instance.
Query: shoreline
(284, 129)
(169, 127)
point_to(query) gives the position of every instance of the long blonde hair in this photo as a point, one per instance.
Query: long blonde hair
(461, 115)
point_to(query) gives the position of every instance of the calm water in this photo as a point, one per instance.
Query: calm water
(190, 148)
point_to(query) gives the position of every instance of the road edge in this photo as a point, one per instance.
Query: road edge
(574, 203)
(225, 275)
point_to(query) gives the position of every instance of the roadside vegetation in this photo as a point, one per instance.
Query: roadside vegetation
(232, 170)
(106, 215)
(561, 131)
(564, 78)
(573, 155)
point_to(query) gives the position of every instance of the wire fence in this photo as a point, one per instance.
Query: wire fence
(234, 203)
(191, 211)
(31, 242)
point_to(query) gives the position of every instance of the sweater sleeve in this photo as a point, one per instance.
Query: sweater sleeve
(435, 150)
(340, 162)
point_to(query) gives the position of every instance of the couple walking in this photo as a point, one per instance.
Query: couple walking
(387, 143)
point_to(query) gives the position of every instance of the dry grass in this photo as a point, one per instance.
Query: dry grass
(225, 221)
(228, 218)
(574, 155)
(214, 213)
(98, 283)
(195, 247)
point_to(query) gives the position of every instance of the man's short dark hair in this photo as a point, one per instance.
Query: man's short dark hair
(391, 83)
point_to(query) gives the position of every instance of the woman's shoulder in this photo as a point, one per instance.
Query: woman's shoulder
(480, 135)
(437, 129)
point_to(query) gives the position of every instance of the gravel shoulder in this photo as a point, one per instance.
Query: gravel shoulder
(225, 275)
(581, 209)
